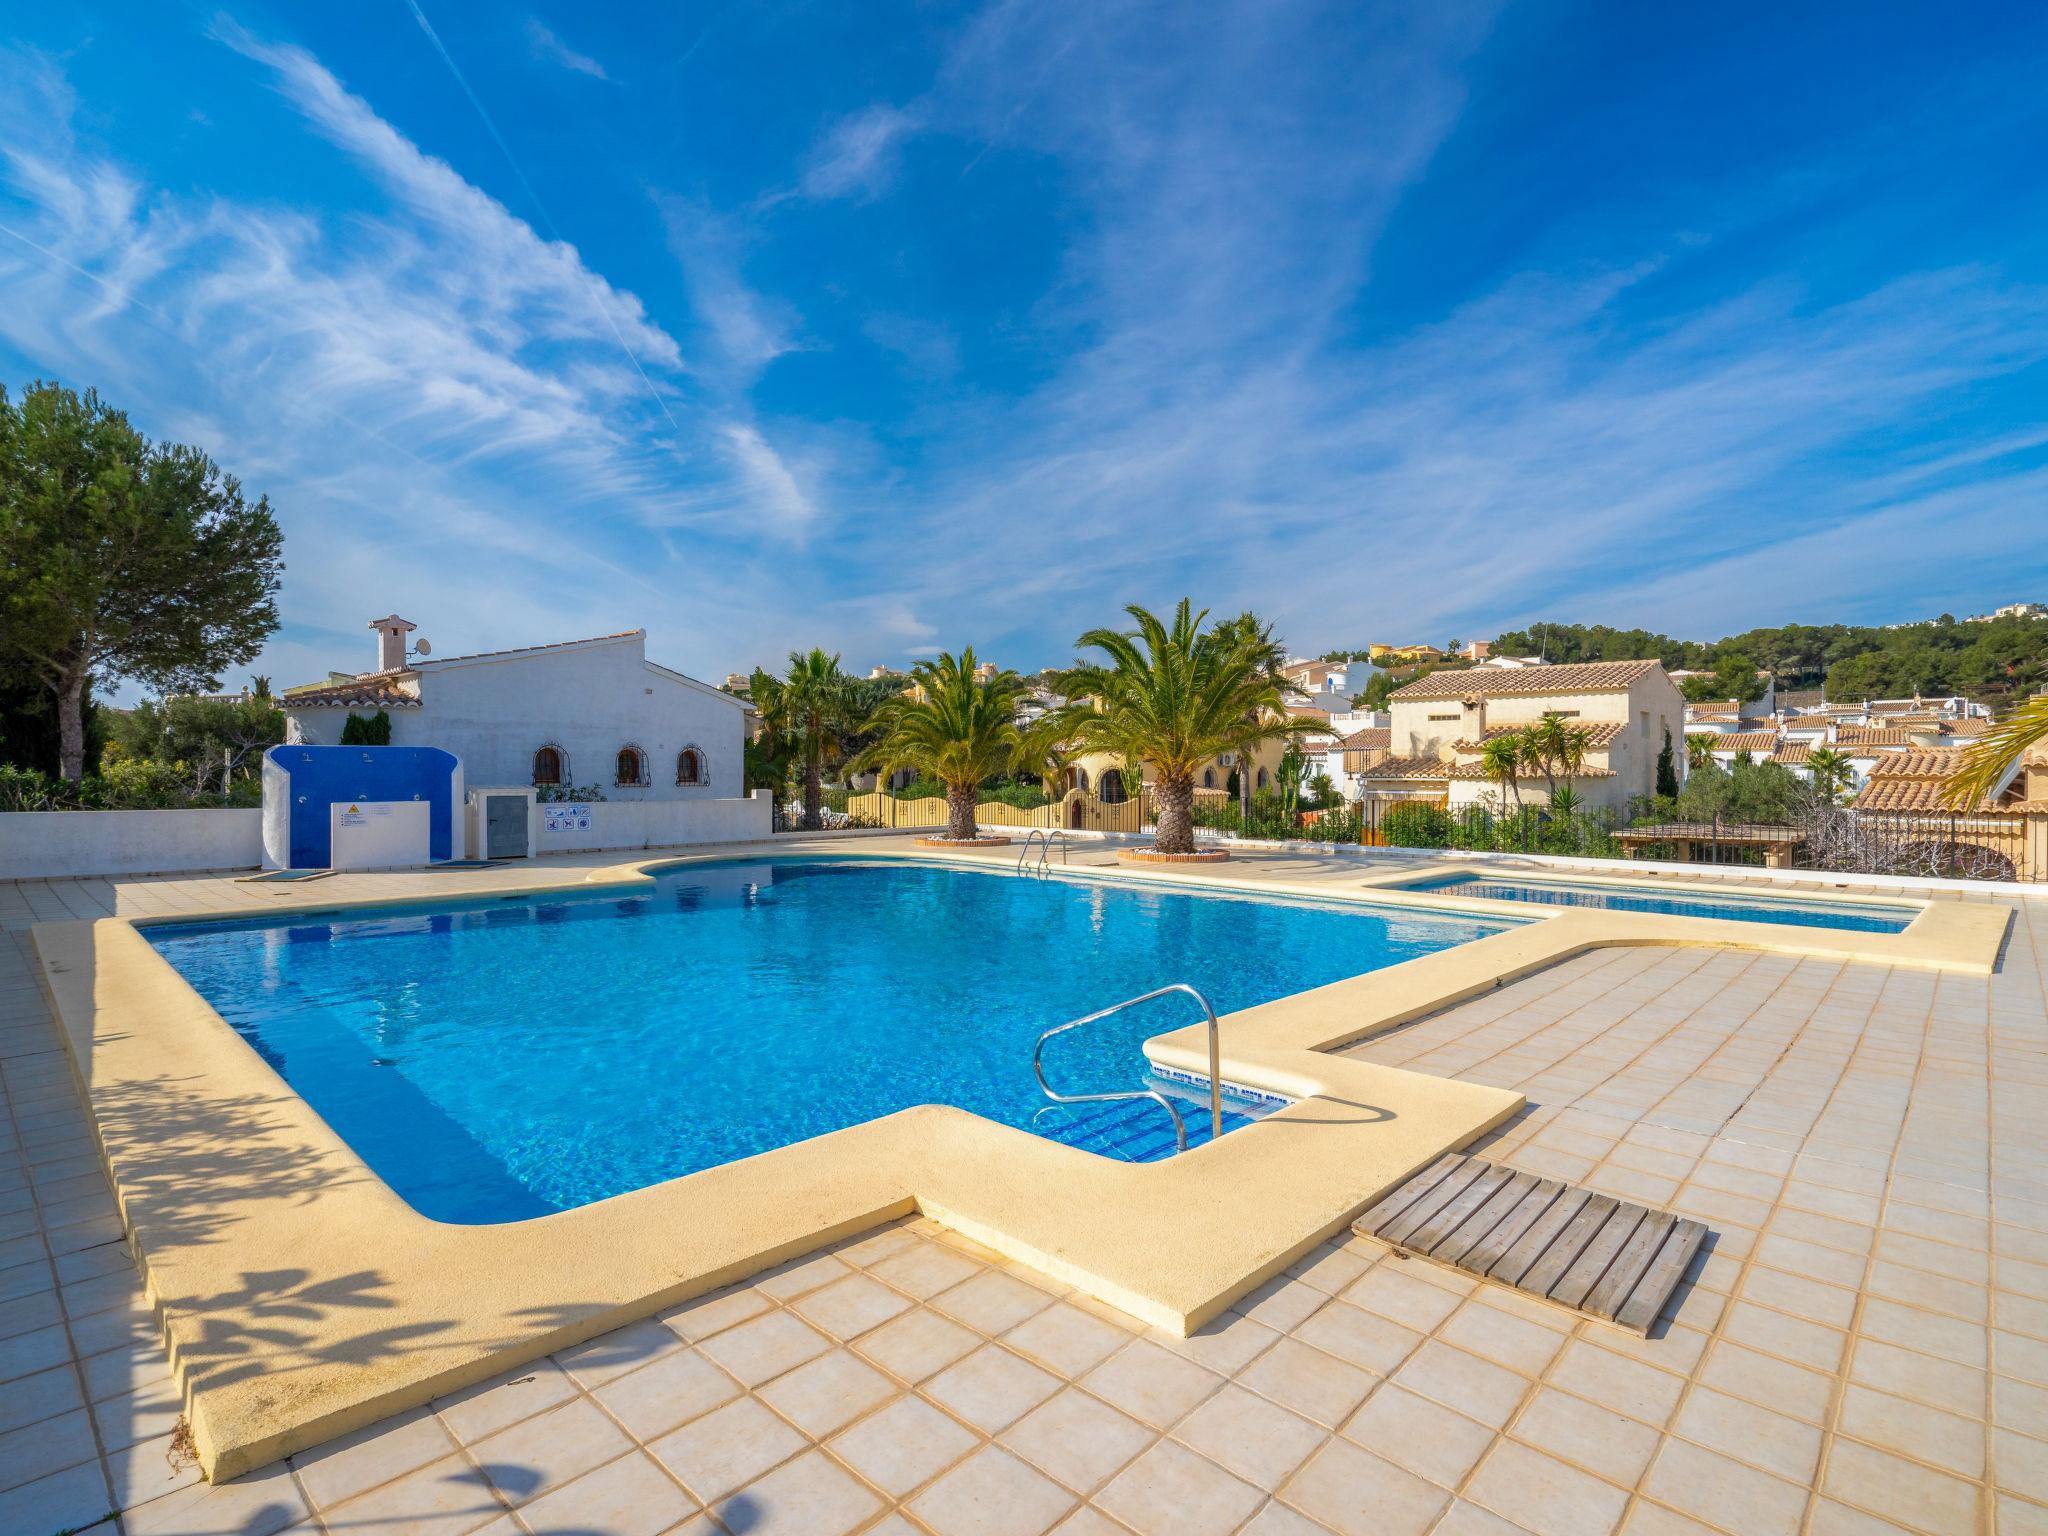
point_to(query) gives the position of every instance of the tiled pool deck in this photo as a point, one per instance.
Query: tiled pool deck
(1864, 1350)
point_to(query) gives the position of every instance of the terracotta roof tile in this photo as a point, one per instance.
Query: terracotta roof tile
(367, 693)
(1744, 741)
(1599, 733)
(1499, 682)
(1478, 771)
(1913, 780)
(1409, 768)
(1872, 736)
(1380, 739)
(1793, 754)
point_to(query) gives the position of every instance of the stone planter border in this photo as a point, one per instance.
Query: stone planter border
(1154, 856)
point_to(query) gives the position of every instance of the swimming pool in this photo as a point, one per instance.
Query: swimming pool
(503, 1059)
(1749, 909)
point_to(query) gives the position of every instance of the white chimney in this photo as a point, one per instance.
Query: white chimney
(391, 633)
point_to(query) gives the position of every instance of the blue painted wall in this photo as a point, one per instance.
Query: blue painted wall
(316, 777)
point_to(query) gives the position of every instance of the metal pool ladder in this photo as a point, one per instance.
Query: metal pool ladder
(1042, 840)
(1180, 1130)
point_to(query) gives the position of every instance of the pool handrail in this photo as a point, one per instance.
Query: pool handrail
(1042, 840)
(1180, 1130)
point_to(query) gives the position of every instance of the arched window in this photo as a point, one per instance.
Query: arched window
(549, 766)
(632, 766)
(1111, 787)
(1262, 778)
(1208, 778)
(689, 766)
(1081, 778)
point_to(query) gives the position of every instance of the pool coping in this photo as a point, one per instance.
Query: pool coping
(300, 1298)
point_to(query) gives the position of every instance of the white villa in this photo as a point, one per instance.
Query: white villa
(1441, 724)
(580, 714)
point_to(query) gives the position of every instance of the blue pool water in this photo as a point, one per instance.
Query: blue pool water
(504, 1059)
(1759, 909)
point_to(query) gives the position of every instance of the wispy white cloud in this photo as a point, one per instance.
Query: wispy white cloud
(859, 154)
(541, 38)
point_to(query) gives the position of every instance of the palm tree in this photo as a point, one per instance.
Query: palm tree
(954, 727)
(1043, 749)
(810, 709)
(1171, 699)
(1556, 749)
(1831, 771)
(1991, 756)
(1699, 751)
(1502, 757)
(1257, 637)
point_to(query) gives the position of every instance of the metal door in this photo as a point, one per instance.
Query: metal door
(505, 827)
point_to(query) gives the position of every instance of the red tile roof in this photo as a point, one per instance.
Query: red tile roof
(1499, 682)
(376, 692)
(1599, 733)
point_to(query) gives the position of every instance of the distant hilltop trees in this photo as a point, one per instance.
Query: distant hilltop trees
(1991, 659)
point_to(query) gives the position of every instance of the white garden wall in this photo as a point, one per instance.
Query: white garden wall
(55, 845)
(631, 824)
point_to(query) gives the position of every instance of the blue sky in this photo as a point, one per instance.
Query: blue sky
(889, 328)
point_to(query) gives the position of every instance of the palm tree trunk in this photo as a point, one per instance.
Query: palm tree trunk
(814, 796)
(960, 799)
(1176, 833)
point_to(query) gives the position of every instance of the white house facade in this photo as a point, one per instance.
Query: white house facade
(579, 716)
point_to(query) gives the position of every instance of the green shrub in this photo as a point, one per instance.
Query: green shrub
(373, 732)
(1417, 826)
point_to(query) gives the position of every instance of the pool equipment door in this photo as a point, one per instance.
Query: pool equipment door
(505, 827)
(378, 834)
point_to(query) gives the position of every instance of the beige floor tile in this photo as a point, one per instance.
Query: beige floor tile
(809, 1496)
(1592, 1437)
(828, 1393)
(1477, 1388)
(850, 1307)
(358, 1462)
(553, 1448)
(1393, 1293)
(706, 1315)
(1065, 1339)
(1627, 1386)
(1355, 1493)
(66, 1500)
(1152, 1384)
(1765, 1439)
(992, 1302)
(1364, 1338)
(1316, 1385)
(992, 1493)
(1493, 1335)
(1077, 1439)
(629, 1497)
(1772, 1383)
(615, 1353)
(1419, 1434)
(1543, 1494)
(764, 1347)
(1916, 1496)
(1171, 1491)
(673, 1390)
(726, 1449)
(443, 1498)
(1731, 1496)
(1917, 1429)
(917, 1344)
(517, 1394)
(903, 1445)
(925, 1270)
(799, 1277)
(1250, 1436)
(992, 1388)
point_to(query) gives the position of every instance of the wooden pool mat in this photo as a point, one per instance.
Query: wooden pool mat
(1605, 1257)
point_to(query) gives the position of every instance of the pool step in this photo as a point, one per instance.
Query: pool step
(1131, 1130)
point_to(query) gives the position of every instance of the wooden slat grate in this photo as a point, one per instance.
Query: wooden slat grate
(1608, 1258)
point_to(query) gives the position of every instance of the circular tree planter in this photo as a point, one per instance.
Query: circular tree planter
(962, 842)
(1154, 856)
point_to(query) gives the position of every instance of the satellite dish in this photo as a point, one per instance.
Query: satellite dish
(422, 648)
